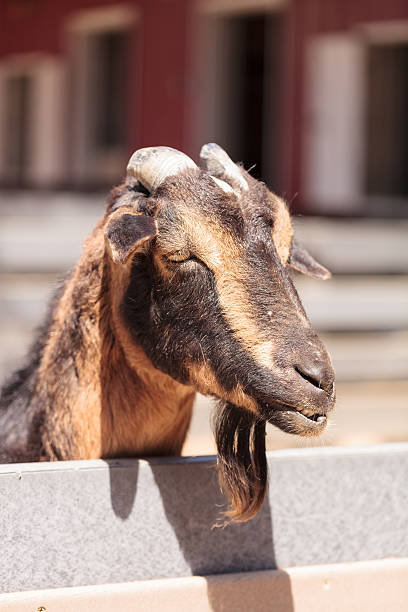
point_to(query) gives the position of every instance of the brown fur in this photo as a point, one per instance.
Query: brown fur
(98, 407)
(206, 383)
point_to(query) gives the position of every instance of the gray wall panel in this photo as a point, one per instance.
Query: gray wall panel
(91, 522)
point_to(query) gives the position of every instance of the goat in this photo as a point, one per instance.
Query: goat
(183, 286)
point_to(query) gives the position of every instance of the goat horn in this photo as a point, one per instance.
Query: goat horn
(218, 163)
(152, 165)
(224, 186)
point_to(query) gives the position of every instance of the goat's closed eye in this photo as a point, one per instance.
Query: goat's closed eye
(270, 221)
(185, 257)
(266, 219)
(178, 256)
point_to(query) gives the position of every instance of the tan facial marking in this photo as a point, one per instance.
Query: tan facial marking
(282, 233)
(205, 381)
(225, 257)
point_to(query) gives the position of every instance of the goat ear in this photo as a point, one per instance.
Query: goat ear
(302, 261)
(126, 232)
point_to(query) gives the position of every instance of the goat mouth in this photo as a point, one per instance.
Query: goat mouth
(295, 420)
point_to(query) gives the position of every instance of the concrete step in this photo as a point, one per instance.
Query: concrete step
(357, 246)
(368, 356)
(356, 303)
(45, 237)
(23, 297)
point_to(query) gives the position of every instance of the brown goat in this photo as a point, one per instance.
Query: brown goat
(183, 286)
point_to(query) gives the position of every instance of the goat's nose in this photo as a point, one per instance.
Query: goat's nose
(318, 373)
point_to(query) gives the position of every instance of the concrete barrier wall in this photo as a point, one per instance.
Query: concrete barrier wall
(94, 522)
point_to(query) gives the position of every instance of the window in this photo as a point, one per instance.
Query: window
(356, 123)
(107, 88)
(99, 72)
(101, 61)
(387, 120)
(245, 98)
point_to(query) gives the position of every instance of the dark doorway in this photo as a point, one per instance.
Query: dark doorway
(108, 65)
(387, 121)
(249, 92)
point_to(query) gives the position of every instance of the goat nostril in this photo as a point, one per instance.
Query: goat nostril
(318, 376)
(311, 378)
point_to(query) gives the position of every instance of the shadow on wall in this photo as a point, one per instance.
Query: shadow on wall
(123, 487)
(208, 550)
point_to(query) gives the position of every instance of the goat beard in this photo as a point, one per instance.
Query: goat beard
(242, 467)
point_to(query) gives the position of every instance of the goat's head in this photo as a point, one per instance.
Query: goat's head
(212, 304)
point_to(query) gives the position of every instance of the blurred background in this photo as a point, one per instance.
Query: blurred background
(312, 93)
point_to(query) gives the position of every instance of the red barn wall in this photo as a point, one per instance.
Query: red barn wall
(158, 108)
(159, 48)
